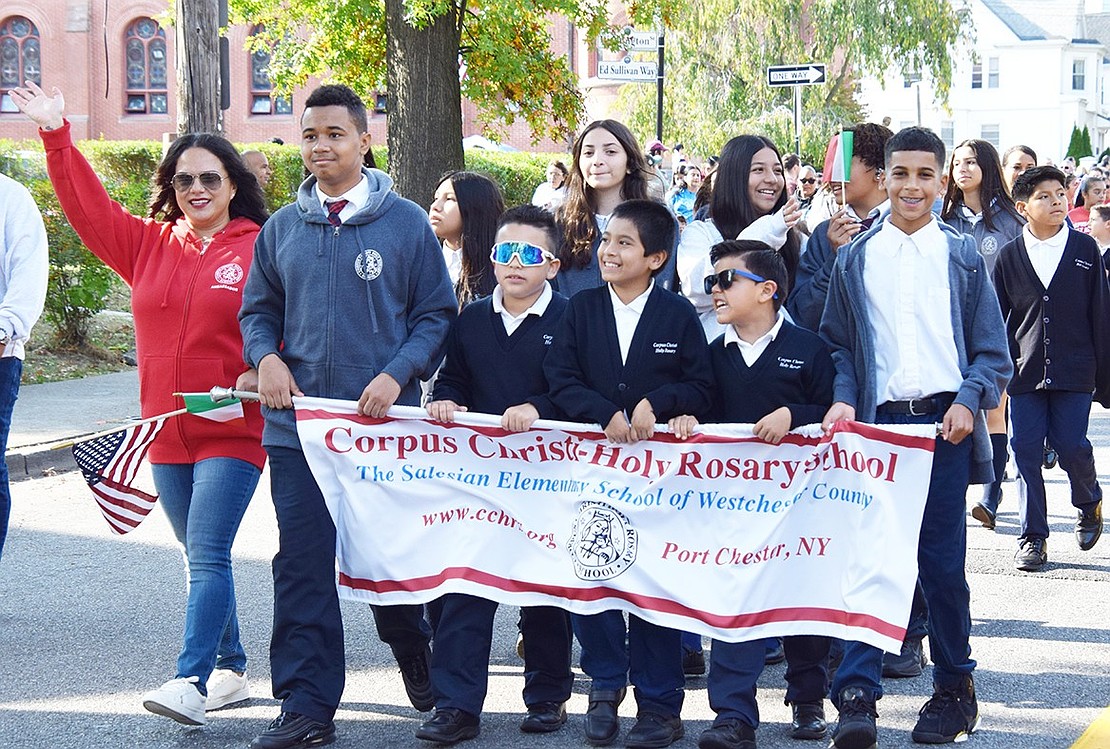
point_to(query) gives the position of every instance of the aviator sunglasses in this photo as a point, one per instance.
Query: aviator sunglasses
(183, 181)
(725, 278)
(528, 254)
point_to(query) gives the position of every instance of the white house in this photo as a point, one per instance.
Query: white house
(1034, 69)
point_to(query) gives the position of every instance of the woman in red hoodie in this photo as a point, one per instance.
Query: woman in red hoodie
(186, 264)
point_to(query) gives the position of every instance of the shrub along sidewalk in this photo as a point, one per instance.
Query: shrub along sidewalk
(68, 342)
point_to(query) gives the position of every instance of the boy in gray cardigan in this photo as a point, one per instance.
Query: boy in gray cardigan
(917, 338)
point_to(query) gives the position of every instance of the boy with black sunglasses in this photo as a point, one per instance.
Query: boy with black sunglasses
(777, 376)
(513, 327)
(627, 355)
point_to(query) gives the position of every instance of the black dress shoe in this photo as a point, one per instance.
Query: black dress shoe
(290, 730)
(727, 734)
(1032, 554)
(808, 721)
(1088, 527)
(654, 731)
(416, 675)
(544, 717)
(984, 515)
(448, 726)
(602, 723)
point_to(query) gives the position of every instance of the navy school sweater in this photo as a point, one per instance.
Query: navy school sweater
(796, 370)
(1059, 337)
(668, 360)
(488, 371)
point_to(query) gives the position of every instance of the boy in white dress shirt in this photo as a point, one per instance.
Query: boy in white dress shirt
(917, 338)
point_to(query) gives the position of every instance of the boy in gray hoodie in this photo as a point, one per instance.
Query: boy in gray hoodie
(349, 298)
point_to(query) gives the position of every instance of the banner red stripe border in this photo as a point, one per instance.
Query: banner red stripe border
(645, 603)
(869, 431)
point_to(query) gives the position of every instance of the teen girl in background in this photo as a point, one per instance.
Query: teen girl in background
(978, 203)
(464, 216)
(609, 168)
(749, 201)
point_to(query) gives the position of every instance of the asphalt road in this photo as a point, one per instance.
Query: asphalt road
(89, 621)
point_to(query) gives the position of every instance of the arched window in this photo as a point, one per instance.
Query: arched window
(263, 100)
(146, 61)
(20, 57)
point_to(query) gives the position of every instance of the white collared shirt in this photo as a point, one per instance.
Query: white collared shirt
(910, 307)
(512, 323)
(453, 259)
(752, 351)
(969, 215)
(356, 198)
(1045, 254)
(628, 317)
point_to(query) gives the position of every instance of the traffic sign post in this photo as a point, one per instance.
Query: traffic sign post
(797, 76)
(631, 70)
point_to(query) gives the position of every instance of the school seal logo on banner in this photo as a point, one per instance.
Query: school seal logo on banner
(989, 246)
(229, 274)
(602, 542)
(368, 265)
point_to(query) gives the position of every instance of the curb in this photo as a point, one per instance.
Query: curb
(33, 465)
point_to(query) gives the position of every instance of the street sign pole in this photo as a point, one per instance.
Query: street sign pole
(796, 76)
(798, 120)
(659, 93)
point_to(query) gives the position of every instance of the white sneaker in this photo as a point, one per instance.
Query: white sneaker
(225, 687)
(177, 699)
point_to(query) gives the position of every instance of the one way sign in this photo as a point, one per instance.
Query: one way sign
(796, 75)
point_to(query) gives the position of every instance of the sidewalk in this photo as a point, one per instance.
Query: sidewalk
(60, 410)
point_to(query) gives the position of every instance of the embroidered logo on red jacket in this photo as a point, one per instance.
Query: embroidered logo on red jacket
(227, 275)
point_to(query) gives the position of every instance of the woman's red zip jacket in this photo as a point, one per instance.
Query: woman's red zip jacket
(185, 299)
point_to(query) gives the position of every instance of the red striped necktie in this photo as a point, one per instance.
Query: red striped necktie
(334, 207)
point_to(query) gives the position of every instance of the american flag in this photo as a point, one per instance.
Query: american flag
(109, 463)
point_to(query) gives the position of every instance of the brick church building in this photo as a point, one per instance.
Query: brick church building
(114, 61)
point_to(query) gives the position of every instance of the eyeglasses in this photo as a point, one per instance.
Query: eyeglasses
(808, 180)
(725, 279)
(528, 254)
(183, 181)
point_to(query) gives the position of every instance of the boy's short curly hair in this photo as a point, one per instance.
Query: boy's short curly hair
(869, 143)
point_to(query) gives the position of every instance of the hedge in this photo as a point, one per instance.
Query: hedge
(79, 283)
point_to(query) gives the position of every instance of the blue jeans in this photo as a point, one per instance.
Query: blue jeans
(941, 551)
(205, 502)
(11, 369)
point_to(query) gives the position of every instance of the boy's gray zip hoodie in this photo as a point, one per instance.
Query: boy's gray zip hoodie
(341, 305)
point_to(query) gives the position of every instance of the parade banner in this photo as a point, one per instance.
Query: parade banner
(723, 534)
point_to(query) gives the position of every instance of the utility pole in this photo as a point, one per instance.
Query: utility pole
(197, 66)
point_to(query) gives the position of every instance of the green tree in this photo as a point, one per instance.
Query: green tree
(427, 54)
(1075, 143)
(1085, 142)
(718, 52)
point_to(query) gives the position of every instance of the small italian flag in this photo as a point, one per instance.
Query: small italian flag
(202, 405)
(838, 158)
